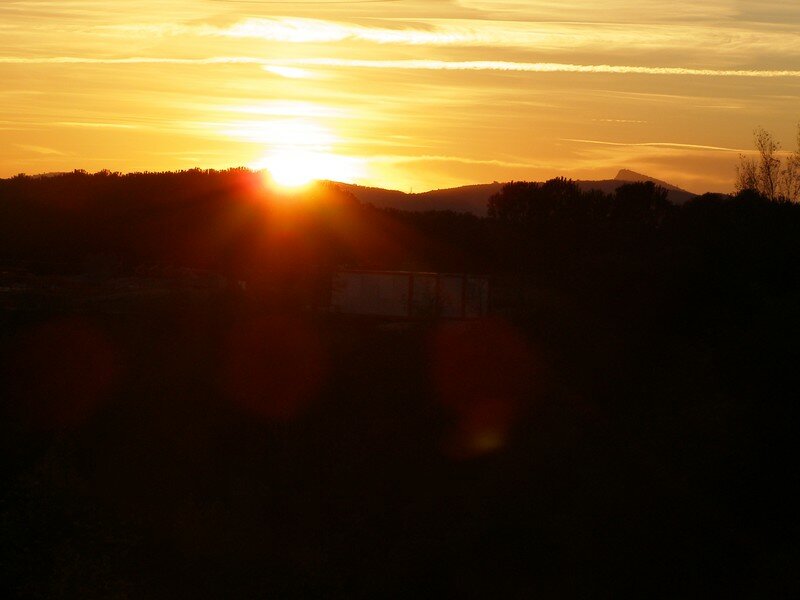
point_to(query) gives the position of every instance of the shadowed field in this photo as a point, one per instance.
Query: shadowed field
(622, 424)
(211, 454)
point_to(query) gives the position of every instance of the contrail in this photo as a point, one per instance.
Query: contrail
(656, 145)
(492, 65)
(425, 65)
(133, 60)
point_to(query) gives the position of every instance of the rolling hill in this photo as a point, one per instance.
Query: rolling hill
(473, 198)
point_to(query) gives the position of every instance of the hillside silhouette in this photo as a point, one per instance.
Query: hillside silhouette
(182, 417)
(473, 198)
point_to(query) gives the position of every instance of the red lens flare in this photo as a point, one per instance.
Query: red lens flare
(62, 371)
(483, 373)
(273, 367)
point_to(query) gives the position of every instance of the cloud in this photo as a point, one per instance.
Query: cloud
(314, 2)
(527, 67)
(316, 30)
(714, 33)
(93, 11)
(288, 72)
(620, 120)
(21, 93)
(609, 10)
(411, 64)
(41, 150)
(721, 39)
(283, 108)
(94, 125)
(402, 159)
(130, 60)
(657, 145)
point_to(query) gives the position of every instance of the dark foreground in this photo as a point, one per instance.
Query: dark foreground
(176, 422)
(220, 452)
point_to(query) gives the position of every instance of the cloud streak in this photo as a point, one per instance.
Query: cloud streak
(657, 145)
(94, 125)
(725, 40)
(41, 150)
(410, 64)
(403, 159)
(529, 67)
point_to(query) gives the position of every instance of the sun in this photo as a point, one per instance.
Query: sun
(293, 168)
(299, 150)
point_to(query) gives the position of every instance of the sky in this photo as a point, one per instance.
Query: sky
(406, 94)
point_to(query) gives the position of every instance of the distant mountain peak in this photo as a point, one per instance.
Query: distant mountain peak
(633, 177)
(628, 175)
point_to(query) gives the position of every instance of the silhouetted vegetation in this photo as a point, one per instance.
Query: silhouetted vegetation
(179, 420)
(770, 175)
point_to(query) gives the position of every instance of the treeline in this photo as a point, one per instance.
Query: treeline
(203, 219)
(229, 222)
(554, 228)
(232, 223)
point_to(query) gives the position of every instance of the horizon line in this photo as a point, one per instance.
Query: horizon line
(322, 180)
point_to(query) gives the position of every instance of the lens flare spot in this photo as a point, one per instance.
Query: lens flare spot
(63, 371)
(483, 375)
(274, 367)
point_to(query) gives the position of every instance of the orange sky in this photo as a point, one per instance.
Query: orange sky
(404, 94)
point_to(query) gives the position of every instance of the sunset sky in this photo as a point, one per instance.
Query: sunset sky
(403, 94)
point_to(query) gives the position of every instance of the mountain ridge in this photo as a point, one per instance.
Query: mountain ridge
(628, 176)
(473, 198)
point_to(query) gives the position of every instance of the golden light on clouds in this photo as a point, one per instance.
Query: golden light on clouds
(290, 133)
(288, 72)
(398, 94)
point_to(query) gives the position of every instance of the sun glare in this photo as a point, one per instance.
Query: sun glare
(298, 149)
(298, 167)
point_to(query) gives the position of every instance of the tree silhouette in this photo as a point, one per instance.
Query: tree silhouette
(768, 174)
(526, 203)
(641, 201)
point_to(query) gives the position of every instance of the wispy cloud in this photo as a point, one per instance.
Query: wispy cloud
(20, 93)
(723, 39)
(618, 10)
(41, 150)
(411, 64)
(131, 60)
(283, 108)
(656, 145)
(94, 125)
(318, 30)
(288, 72)
(528, 67)
(403, 159)
(631, 121)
